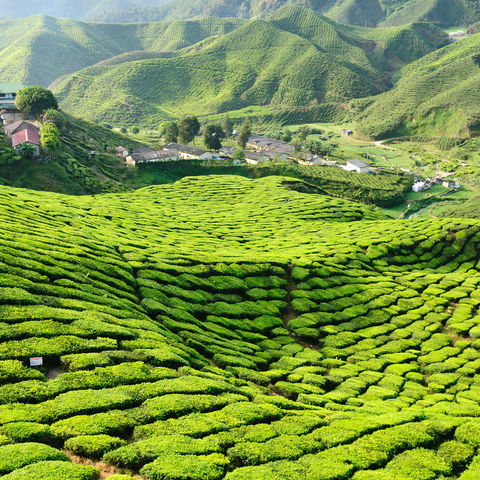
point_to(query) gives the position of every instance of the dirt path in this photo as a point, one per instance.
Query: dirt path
(106, 470)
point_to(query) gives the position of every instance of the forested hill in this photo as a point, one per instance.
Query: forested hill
(357, 12)
(296, 60)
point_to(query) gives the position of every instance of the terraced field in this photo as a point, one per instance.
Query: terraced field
(225, 328)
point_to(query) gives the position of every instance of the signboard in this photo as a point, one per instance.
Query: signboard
(36, 362)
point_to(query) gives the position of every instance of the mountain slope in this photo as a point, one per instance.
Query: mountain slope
(39, 49)
(437, 95)
(294, 60)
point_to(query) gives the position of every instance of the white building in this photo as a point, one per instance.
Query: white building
(419, 187)
(357, 165)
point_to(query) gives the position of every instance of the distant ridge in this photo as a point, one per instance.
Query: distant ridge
(294, 60)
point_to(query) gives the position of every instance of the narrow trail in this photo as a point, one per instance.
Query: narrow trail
(106, 470)
(290, 314)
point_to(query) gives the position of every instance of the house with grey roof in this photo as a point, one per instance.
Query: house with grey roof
(358, 165)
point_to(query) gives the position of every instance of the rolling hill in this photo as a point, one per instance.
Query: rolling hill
(295, 63)
(356, 12)
(437, 95)
(224, 328)
(39, 49)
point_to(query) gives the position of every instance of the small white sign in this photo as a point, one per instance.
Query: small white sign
(36, 362)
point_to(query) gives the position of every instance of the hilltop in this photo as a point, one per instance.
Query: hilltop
(224, 328)
(297, 63)
(436, 95)
(39, 49)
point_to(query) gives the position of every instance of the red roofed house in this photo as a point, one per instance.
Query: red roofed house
(26, 136)
(122, 152)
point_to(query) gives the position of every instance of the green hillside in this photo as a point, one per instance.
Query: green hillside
(39, 49)
(295, 61)
(437, 95)
(73, 169)
(224, 328)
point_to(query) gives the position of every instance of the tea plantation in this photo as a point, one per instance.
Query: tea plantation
(227, 328)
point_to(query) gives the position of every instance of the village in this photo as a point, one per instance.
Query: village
(23, 130)
(260, 149)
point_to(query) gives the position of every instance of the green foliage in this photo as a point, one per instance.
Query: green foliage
(171, 134)
(188, 128)
(93, 446)
(213, 136)
(50, 137)
(35, 100)
(186, 467)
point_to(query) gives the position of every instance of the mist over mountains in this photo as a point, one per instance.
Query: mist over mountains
(356, 12)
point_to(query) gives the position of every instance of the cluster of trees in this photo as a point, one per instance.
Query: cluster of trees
(41, 103)
(213, 134)
(184, 131)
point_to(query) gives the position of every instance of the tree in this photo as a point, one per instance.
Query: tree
(238, 155)
(171, 134)
(245, 133)
(287, 135)
(35, 100)
(213, 135)
(303, 133)
(135, 130)
(188, 129)
(50, 137)
(227, 126)
(52, 115)
(317, 147)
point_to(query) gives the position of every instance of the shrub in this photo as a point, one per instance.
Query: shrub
(20, 432)
(93, 446)
(17, 456)
(186, 467)
(54, 470)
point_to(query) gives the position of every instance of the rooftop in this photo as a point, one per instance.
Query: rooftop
(184, 149)
(25, 136)
(358, 163)
(10, 87)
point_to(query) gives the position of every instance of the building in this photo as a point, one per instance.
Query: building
(145, 155)
(227, 150)
(186, 152)
(26, 136)
(8, 111)
(12, 128)
(255, 158)
(270, 145)
(312, 160)
(419, 187)
(451, 184)
(357, 165)
(347, 133)
(122, 152)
